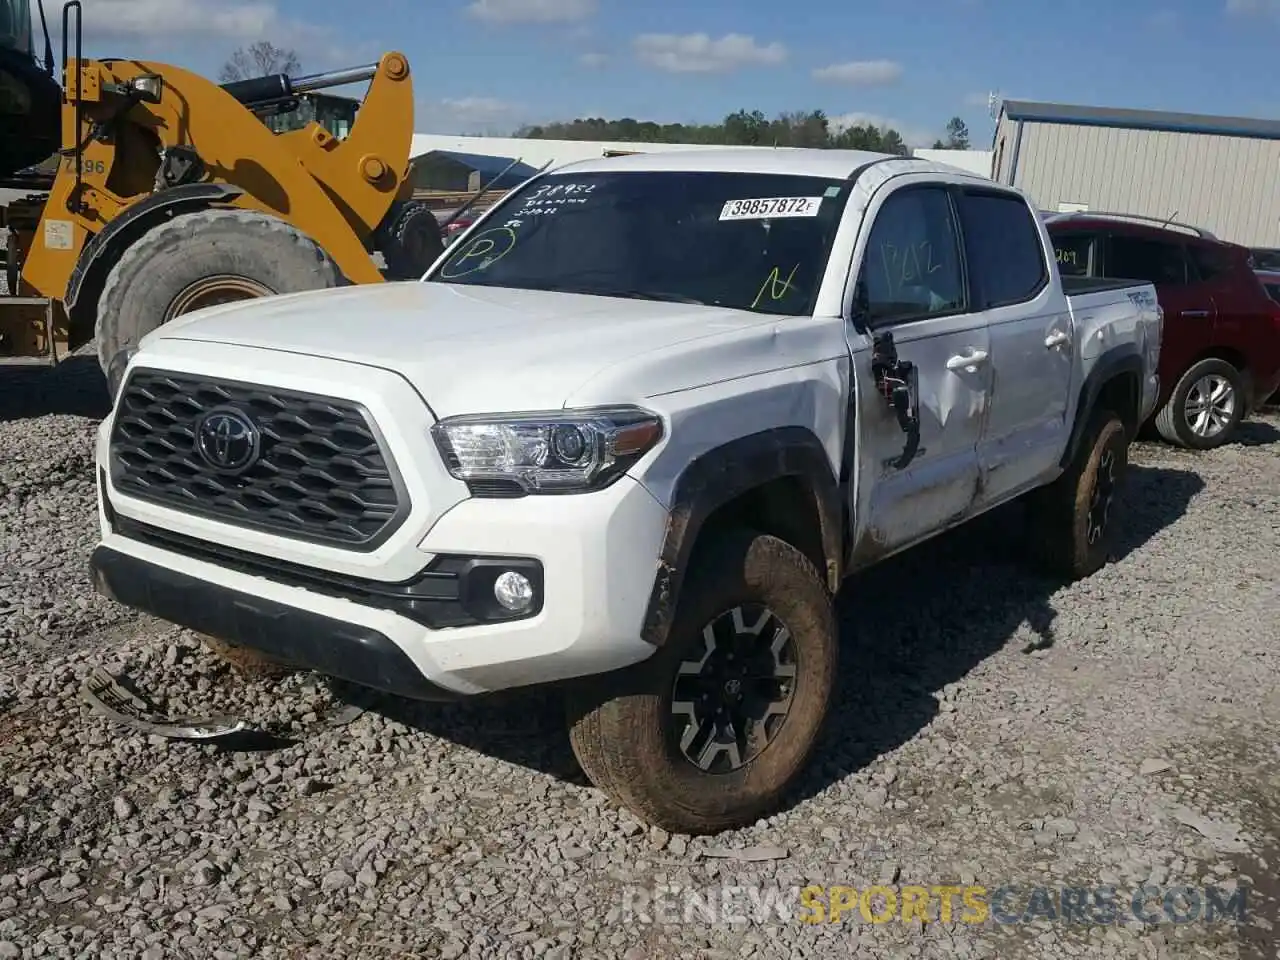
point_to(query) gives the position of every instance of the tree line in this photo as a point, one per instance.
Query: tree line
(748, 128)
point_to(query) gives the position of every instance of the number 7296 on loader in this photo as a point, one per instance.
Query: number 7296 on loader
(171, 194)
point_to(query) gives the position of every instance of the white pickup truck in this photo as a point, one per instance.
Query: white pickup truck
(629, 435)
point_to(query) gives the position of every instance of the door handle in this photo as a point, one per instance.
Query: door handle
(1195, 313)
(1057, 339)
(965, 361)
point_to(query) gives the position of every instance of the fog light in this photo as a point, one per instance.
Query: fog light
(514, 591)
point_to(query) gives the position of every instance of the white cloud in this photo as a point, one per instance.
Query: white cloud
(593, 59)
(911, 135)
(467, 115)
(532, 11)
(235, 21)
(698, 53)
(861, 73)
(152, 28)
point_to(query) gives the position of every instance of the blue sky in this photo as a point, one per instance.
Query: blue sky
(490, 65)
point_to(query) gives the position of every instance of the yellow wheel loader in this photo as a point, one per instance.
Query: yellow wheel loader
(172, 194)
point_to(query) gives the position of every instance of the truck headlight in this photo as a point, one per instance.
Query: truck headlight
(567, 451)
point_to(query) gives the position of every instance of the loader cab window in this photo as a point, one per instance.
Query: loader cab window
(746, 241)
(15, 26)
(335, 114)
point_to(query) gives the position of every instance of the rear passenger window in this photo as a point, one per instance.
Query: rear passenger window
(1002, 244)
(911, 268)
(1072, 253)
(1210, 262)
(1155, 261)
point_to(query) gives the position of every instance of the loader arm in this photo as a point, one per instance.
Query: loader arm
(118, 170)
(371, 168)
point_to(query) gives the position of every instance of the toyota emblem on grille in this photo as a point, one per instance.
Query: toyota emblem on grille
(228, 440)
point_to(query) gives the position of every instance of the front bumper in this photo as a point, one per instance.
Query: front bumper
(595, 554)
(300, 637)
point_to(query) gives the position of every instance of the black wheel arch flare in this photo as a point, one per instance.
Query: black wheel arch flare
(726, 473)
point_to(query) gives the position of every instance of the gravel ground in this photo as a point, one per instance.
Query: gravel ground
(992, 729)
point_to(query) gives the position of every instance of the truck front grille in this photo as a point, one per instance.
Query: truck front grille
(308, 467)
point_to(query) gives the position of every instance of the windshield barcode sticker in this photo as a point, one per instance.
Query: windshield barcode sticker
(767, 207)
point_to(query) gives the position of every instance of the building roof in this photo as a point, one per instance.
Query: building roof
(1141, 119)
(488, 167)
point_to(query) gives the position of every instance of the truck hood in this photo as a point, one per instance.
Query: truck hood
(466, 349)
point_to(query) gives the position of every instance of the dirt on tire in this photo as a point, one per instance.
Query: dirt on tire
(621, 737)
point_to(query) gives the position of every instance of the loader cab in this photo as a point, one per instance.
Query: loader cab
(335, 114)
(30, 99)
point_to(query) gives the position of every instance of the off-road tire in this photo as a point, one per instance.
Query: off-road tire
(619, 725)
(409, 239)
(166, 260)
(1171, 421)
(1059, 520)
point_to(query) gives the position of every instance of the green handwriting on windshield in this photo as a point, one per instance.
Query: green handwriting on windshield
(480, 253)
(775, 286)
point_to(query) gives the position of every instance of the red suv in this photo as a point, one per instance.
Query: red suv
(1220, 355)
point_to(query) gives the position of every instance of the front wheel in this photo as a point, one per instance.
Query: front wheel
(204, 259)
(709, 733)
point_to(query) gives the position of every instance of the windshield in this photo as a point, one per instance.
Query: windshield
(747, 241)
(15, 26)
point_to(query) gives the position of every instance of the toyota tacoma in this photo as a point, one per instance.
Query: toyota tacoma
(628, 436)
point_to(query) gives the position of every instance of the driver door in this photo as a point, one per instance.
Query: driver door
(911, 287)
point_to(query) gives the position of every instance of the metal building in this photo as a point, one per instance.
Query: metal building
(1220, 173)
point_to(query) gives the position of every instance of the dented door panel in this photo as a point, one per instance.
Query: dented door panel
(899, 505)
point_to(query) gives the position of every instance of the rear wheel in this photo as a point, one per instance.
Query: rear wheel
(1070, 520)
(710, 732)
(1205, 407)
(199, 260)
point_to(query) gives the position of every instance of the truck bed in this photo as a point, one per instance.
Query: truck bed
(1077, 286)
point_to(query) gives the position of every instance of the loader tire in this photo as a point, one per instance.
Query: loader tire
(409, 239)
(201, 259)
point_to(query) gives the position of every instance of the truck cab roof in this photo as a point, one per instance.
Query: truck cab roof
(795, 161)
